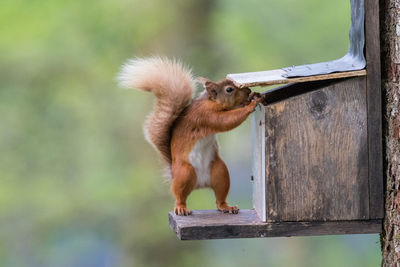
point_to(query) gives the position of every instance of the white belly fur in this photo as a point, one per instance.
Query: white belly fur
(201, 156)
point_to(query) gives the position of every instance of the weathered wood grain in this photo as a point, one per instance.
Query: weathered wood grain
(390, 59)
(212, 224)
(271, 77)
(375, 143)
(317, 155)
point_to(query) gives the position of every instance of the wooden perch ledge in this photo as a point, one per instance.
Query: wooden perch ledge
(212, 224)
(271, 77)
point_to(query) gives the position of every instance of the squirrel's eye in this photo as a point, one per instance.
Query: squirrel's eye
(229, 89)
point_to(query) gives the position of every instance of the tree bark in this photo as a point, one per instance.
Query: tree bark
(390, 55)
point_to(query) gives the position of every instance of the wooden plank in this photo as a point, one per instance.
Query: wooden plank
(258, 147)
(317, 155)
(212, 224)
(271, 77)
(375, 167)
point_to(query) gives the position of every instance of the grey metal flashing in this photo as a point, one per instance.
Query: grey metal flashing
(353, 60)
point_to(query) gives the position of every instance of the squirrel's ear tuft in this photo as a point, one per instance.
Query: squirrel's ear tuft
(204, 81)
(210, 87)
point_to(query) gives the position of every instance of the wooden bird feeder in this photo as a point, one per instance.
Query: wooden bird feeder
(317, 147)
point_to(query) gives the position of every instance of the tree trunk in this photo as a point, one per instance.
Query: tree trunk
(390, 55)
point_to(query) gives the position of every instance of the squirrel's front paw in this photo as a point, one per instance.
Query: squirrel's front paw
(254, 95)
(252, 106)
(182, 211)
(228, 209)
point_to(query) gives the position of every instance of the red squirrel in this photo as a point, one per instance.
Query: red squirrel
(182, 129)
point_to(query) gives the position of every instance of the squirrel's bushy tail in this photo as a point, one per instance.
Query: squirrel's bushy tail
(173, 86)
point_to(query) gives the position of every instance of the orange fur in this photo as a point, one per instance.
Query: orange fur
(202, 118)
(177, 124)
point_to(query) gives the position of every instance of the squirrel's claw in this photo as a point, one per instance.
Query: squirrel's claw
(229, 209)
(181, 211)
(254, 95)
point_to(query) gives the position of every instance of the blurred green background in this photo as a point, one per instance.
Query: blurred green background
(79, 186)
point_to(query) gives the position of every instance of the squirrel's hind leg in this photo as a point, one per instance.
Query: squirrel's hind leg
(183, 182)
(220, 183)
